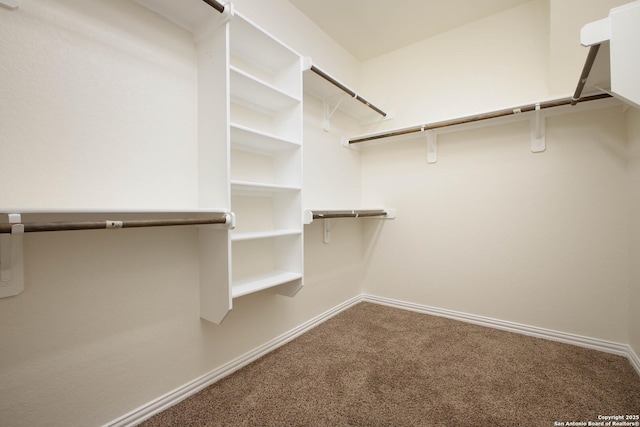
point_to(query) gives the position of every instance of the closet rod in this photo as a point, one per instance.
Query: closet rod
(477, 118)
(591, 58)
(347, 214)
(342, 87)
(30, 227)
(214, 4)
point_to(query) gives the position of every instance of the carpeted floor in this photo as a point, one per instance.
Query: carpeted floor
(378, 366)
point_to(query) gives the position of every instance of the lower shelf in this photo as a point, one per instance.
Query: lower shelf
(252, 284)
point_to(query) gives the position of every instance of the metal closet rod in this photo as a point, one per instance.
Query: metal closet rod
(347, 214)
(31, 227)
(342, 87)
(220, 8)
(477, 118)
(591, 58)
(214, 4)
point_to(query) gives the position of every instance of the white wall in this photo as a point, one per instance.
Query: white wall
(99, 110)
(490, 64)
(493, 229)
(87, 98)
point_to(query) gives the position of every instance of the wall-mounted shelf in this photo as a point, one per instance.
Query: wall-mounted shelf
(534, 113)
(20, 221)
(247, 139)
(337, 95)
(263, 281)
(328, 215)
(613, 63)
(260, 189)
(237, 237)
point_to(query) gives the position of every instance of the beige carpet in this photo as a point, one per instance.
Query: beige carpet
(378, 366)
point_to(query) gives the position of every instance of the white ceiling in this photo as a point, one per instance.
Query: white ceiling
(368, 28)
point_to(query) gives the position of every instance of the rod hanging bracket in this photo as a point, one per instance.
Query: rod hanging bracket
(538, 140)
(11, 259)
(432, 145)
(327, 225)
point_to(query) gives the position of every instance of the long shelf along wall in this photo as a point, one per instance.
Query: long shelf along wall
(250, 114)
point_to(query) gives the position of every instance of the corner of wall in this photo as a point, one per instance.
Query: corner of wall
(633, 135)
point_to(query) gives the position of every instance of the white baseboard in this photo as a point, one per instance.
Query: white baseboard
(158, 405)
(564, 337)
(163, 402)
(634, 359)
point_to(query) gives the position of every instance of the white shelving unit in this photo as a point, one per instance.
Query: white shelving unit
(250, 154)
(266, 161)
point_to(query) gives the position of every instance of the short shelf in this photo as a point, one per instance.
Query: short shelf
(257, 283)
(264, 234)
(253, 140)
(311, 214)
(245, 188)
(250, 91)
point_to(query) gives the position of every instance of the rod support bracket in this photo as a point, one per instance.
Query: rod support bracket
(327, 225)
(538, 139)
(432, 145)
(11, 259)
(329, 111)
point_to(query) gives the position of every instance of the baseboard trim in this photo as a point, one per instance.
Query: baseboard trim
(567, 338)
(634, 360)
(163, 402)
(160, 404)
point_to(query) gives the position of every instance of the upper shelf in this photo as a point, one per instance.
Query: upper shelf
(195, 16)
(613, 64)
(327, 88)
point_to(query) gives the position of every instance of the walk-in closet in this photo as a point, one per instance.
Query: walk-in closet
(292, 212)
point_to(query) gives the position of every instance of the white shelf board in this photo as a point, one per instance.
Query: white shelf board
(261, 282)
(323, 90)
(260, 189)
(237, 237)
(247, 139)
(255, 46)
(617, 63)
(253, 92)
(192, 15)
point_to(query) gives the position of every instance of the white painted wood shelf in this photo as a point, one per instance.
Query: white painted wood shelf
(265, 127)
(255, 93)
(616, 66)
(339, 95)
(264, 281)
(238, 237)
(250, 154)
(253, 140)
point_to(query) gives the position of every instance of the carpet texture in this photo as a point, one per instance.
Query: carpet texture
(378, 366)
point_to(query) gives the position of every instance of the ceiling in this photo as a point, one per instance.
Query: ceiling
(369, 28)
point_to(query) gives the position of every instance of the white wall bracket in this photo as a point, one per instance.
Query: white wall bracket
(326, 237)
(538, 140)
(10, 4)
(432, 146)
(328, 112)
(11, 259)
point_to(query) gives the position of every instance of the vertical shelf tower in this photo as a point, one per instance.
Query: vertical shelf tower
(250, 154)
(265, 129)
